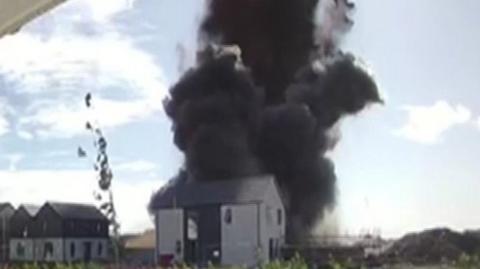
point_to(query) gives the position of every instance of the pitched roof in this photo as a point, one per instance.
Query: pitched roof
(30, 209)
(184, 193)
(77, 211)
(4, 206)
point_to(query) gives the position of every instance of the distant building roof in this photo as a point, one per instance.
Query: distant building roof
(31, 209)
(4, 206)
(77, 211)
(184, 193)
(145, 240)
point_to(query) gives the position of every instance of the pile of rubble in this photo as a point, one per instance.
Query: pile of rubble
(434, 246)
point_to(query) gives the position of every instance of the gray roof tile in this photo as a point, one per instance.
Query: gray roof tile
(77, 211)
(185, 193)
(31, 209)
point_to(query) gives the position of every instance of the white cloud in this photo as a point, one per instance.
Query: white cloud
(59, 153)
(14, 159)
(105, 9)
(4, 123)
(25, 135)
(53, 69)
(426, 124)
(38, 186)
(92, 10)
(136, 166)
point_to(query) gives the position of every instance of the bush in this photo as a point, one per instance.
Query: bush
(296, 263)
(468, 262)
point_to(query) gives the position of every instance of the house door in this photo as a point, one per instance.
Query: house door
(202, 235)
(87, 251)
(191, 237)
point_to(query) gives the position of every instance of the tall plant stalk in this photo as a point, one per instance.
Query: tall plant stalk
(101, 165)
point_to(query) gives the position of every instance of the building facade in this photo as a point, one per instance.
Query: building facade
(60, 232)
(231, 222)
(6, 212)
(21, 243)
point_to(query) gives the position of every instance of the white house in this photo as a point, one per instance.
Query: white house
(229, 222)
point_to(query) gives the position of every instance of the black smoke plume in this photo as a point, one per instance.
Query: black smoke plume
(269, 106)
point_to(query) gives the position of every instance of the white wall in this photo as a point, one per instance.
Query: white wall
(270, 227)
(240, 238)
(169, 231)
(27, 245)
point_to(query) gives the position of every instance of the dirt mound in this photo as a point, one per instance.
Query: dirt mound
(433, 246)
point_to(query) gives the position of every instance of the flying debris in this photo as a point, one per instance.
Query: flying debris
(81, 153)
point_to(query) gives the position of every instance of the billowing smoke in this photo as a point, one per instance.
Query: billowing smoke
(267, 102)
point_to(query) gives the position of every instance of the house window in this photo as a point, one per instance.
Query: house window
(99, 249)
(279, 217)
(228, 216)
(48, 251)
(72, 249)
(178, 247)
(192, 226)
(20, 250)
(271, 249)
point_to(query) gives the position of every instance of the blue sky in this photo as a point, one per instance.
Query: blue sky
(407, 165)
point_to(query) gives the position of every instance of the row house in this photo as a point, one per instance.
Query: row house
(58, 232)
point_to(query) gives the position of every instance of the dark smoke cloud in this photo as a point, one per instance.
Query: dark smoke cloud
(271, 109)
(215, 111)
(275, 36)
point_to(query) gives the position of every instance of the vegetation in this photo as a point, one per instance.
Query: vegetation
(468, 262)
(104, 175)
(296, 263)
(464, 262)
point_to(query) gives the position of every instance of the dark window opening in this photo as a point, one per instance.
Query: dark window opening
(48, 251)
(228, 216)
(271, 249)
(178, 247)
(279, 216)
(99, 249)
(72, 249)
